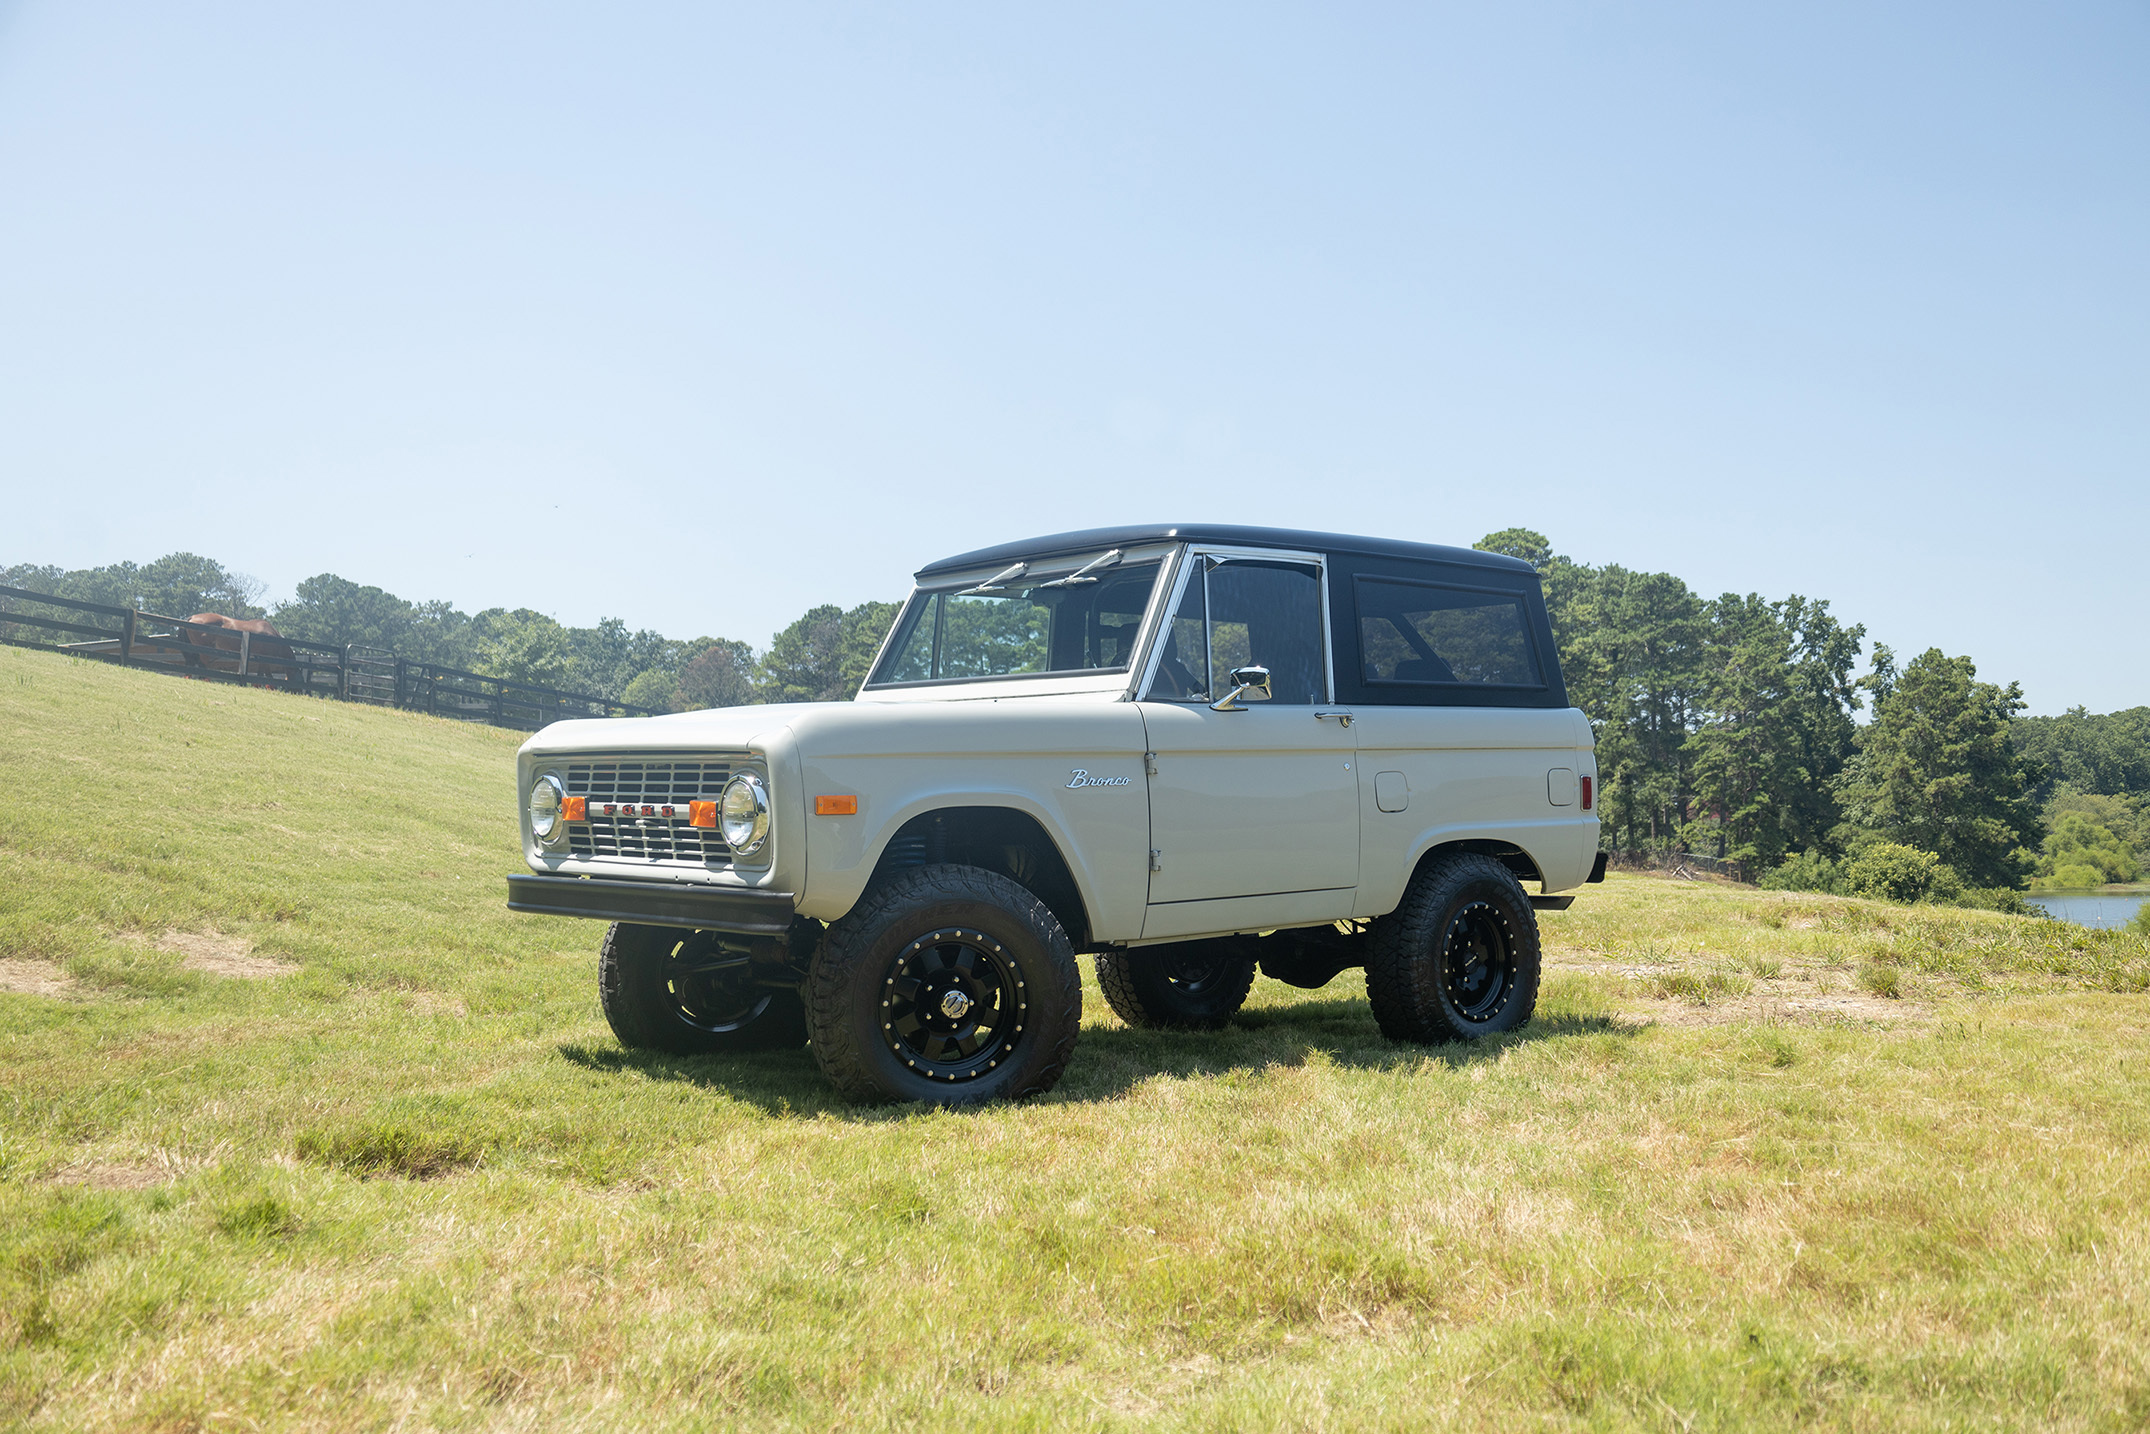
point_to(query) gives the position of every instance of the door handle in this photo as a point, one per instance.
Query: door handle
(1343, 717)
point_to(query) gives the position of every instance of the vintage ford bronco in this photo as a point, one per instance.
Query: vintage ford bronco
(1193, 752)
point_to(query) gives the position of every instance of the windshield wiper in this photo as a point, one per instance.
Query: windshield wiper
(993, 583)
(1082, 574)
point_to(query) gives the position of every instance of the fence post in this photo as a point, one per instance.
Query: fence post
(343, 675)
(246, 652)
(126, 637)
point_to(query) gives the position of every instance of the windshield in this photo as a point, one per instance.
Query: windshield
(1056, 619)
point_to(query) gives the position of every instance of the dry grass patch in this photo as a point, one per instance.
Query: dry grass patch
(114, 1174)
(1772, 1009)
(27, 976)
(1759, 983)
(219, 955)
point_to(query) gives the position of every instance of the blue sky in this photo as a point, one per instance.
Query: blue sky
(698, 315)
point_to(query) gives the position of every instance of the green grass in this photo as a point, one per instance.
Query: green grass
(1723, 1182)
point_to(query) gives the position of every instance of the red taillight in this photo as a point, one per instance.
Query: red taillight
(1588, 784)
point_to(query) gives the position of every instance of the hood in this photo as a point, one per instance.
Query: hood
(724, 729)
(843, 724)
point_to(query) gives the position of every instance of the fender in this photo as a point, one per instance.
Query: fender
(1104, 840)
(1562, 848)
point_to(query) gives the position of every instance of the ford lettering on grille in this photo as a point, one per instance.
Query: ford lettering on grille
(637, 809)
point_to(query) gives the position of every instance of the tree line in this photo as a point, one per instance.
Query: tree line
(822, 657)
(1725, 726)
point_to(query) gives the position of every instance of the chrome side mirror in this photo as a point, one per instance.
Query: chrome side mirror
(1249, 682)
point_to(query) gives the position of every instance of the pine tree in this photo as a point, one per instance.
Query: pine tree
(1938, 770)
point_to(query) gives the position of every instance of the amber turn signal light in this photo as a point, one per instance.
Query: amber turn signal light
(702, 814)
(836, 806)
(574, 809)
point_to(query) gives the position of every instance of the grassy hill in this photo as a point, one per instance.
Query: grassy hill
(299, 1128)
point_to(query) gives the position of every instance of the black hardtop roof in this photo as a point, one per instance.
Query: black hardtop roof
(1097, 540)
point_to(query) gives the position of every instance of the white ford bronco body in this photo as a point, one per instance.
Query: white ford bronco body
(1193, 752)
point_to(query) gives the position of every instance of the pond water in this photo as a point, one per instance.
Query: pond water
(2104, 909)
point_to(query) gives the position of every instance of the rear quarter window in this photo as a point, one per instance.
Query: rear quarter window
(1418, 633)
(1437, 640)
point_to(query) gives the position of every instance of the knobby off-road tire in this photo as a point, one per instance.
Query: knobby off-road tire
(667, 989)
(947, 984)
(1458, 958)
(1188, 986)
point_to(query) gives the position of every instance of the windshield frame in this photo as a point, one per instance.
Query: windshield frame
(1116, 679)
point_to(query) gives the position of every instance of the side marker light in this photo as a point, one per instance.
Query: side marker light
(836, 806)
(1589, 783)
(702, 814)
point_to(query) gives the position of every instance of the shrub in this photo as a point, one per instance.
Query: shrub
(1806, 871)
(1997, 898)
(1890, 871)
(2081, 852)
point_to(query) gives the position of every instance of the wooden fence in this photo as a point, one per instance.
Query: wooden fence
(353, 673)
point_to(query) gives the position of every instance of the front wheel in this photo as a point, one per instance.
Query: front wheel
(948, 984)
(668, 989)
(1458, 958)
(1187, 986)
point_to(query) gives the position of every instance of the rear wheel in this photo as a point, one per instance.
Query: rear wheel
(1187, 986)
(1458, 958)
(668, 989)
(948, 984)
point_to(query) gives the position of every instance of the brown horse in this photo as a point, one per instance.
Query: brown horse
(265, 643)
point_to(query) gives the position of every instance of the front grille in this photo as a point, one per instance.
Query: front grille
(633, 783)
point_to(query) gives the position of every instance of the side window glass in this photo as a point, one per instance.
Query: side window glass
(1409, 633)
(914, 649)
(1182, 668)
(1239, 613)
(1268, 614)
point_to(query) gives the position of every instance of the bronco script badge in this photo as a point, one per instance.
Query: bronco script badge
(1084, 779)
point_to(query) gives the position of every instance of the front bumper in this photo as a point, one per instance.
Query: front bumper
(751, 913)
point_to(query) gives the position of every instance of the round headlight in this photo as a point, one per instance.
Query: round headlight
(743, 814)
(545, 794)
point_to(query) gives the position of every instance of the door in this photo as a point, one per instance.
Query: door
(1257, 802)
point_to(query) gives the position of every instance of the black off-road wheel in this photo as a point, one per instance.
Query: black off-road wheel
(1187, 986)
(668, 989)
(947, 984)
(1458, 958)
